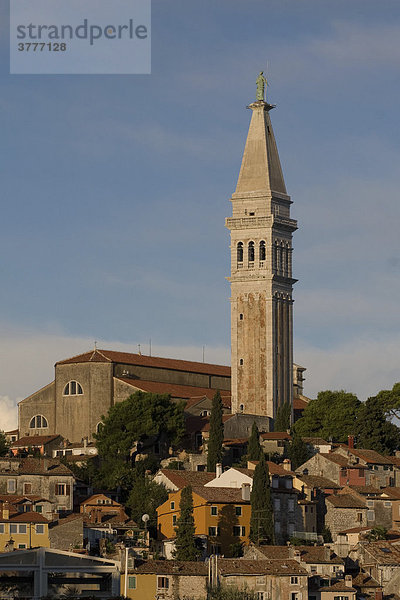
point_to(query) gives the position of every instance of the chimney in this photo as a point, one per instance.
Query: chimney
(327, 553)
(379, 594)
(246, 492)
(85, 442)
(297, 555)
(350, 441)
(348, 580)
(287, 464)
(45, 464)
(6, 510)
(218, 470)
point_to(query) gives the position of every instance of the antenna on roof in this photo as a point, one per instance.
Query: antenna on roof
(150, 347)
(95, 345)
(203, 352)
(140, 354)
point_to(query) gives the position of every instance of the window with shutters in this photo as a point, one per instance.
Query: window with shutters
(162, 583)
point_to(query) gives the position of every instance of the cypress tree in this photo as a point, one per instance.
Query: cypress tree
(261, 521)
(283, 415)
(254, 449)
(216, 436)
(185, 544)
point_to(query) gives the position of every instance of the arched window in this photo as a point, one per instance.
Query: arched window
(38, 422)
(262, 250)
(240, 252)
(251, 252)
(73, 388)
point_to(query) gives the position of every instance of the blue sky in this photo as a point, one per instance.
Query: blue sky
(114, 191)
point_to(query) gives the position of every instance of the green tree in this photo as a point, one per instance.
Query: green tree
(4, 445)
(373, 431)
(144, 498)
(390, 401)
(254, 448)
(261, 520)
(185, 542)
(140, 416)
(216, 435)
(297, 451)
(283, 417)
(330, 415)
(222, 593)
(378, 533)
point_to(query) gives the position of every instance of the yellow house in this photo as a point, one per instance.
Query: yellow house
(23, 530)
(166, 579)
(222, 515)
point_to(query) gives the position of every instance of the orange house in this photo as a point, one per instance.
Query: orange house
(221, 515)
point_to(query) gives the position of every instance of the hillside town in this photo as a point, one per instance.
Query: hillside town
(143, 477)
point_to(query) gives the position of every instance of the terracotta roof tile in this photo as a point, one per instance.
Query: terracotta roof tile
(34, 440)
(232, 566)
(318, 482)
(384, 552)
(220, 495)
(276, 435)
(34, 466)
(345, 501)
(299, 404)
(308, 554)
(341, 460)
(171, 567)
(28, 517)
(225, 418)
(185, 392)
(183, 478)
(147, 361)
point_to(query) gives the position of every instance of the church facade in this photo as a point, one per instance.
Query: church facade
(261, 276)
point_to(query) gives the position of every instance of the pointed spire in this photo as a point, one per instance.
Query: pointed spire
(261, 168)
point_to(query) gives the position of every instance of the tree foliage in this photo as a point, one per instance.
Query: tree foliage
(128, 423)
(223, 593)
(390, 401)
(254, 448)
(185, 542)
(297, 451)
(378, 533)
(144, 498)
(4, 445)
(283, 417)
(216, 435)
(331, 415)
(373, 431)
(261, 521)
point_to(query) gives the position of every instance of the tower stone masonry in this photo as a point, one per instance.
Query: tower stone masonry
(261, 276)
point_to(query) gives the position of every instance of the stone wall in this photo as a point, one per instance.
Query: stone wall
(66, 534)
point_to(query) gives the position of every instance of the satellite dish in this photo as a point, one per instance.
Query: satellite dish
(145, 518)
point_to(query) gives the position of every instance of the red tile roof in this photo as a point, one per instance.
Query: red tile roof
(34, 440)
(181, 479)
(220, 495)
(171, 567)
(34, 466)
(370, 456)
(345, 501)
(318, 482)
(232, 566)
(28, 517)
(341, 460)
(299, 404)
(276, 435)
(148, 361)
(308, 554)
(186, 392)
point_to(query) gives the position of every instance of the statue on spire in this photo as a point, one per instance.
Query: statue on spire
(261, 85)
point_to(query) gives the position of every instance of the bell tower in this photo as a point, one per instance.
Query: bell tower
(261, 273)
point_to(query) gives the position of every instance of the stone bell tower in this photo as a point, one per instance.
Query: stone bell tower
(261, 273)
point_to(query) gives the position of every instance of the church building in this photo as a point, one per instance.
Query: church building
(262, 376)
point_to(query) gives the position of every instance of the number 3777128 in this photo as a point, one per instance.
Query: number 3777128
(42, 47)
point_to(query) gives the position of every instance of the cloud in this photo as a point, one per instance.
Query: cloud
(362, 366)
(8, 412)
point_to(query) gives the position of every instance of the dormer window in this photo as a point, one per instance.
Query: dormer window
(73, 388)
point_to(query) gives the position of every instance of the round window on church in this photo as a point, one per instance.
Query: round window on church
(38, 422)
(73, 388)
